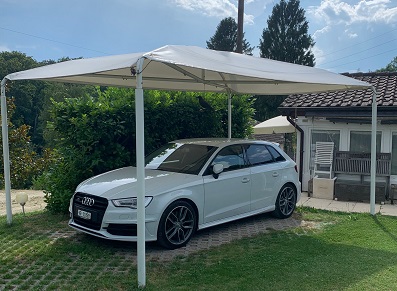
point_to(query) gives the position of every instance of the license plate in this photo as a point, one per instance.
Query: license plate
(84, 214)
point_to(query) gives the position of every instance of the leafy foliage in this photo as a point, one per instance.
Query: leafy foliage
(25, 163)
(32, 98)
(391, 67)
(225, 38)
(27, 101)
(97, 134)
(285, 39)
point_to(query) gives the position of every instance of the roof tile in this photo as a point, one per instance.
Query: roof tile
(385, 84)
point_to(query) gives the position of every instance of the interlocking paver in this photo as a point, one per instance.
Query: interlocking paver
(212, 237)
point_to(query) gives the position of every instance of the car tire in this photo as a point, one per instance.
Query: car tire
(177, 225)
(286, 202)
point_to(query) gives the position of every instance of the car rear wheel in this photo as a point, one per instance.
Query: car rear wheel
(286, 202)
(177, 225)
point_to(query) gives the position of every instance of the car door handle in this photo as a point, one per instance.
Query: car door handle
(275, 174)
(245, 180)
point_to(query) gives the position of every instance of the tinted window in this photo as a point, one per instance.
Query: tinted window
(258, 154)
(181, 158)
(276, 155)
(230, 157)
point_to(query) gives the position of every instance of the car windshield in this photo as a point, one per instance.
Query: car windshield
(181, 158)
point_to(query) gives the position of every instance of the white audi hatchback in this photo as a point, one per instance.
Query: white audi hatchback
(190, 185)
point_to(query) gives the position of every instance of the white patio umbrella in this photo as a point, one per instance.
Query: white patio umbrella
(278, 124)
(182, 68)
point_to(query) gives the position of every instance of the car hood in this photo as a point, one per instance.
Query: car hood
(122, 183)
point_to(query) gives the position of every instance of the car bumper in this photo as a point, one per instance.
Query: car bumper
(117, 224)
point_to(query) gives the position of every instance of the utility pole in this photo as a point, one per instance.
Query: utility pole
(240, 25)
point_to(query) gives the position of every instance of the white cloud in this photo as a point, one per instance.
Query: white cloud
(368, 11)
(351, 34)
(4, 48)
(347, 18)
(319, 55)
(214, 8)
(319, 32)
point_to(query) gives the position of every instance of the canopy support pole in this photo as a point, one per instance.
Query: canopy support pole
(373, 152)
(229, 114)
(6, 151)
(140, 168)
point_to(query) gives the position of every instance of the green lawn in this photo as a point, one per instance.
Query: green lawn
(333, 251)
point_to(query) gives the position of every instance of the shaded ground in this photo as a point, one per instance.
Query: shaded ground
(35, 202)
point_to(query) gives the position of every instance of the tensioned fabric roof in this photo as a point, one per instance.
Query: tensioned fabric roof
(187, 68)
(182, 68)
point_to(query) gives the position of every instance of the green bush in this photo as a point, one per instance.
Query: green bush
(97, 134)
(25, 162)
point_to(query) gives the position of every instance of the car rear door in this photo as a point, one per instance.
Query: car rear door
(266, 174)
(229, 194)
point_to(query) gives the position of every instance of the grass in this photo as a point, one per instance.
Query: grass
(332, 251)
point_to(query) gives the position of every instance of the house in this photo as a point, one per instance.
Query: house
(344, 118)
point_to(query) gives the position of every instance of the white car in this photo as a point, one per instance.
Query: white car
(190, 185)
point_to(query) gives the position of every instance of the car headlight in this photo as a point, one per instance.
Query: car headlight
(130, 202)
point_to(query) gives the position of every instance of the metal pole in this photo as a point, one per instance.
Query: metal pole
(240, 25)
(373, 152)
(229, 115)
(140, 169)
(6, 151)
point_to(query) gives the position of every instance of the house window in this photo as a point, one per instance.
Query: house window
(394, 155)
(360, 141)
(323, 136)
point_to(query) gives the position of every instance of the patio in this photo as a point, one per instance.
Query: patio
(346, 206)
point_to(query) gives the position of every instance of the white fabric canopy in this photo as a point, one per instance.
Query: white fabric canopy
(278, 124)
(182, 68)
(195, 69)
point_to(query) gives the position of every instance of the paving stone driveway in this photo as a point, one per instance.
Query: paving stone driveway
(213, 236)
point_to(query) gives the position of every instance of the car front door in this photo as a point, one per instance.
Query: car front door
(228, 194)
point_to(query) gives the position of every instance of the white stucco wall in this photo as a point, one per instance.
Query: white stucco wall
(309, 124)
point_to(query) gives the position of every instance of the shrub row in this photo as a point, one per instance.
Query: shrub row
(96, 134)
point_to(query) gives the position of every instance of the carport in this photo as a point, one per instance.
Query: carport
(183, 68)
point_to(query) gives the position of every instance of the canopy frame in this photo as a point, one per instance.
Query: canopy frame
(236, 70)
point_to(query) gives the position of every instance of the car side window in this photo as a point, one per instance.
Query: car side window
(258, 154)
(231, 157)
(276, 155)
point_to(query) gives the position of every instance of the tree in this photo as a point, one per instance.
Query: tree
(225, 38)
(25, 163)
(27, 103)
(32, 98)
(391, 67)
(285, 39)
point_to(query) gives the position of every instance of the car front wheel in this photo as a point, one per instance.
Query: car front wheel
(177, 225)
(286, 202)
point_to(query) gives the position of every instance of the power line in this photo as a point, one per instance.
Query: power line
(365, 58)
(356, 44)
(356, 53)
(47, 39)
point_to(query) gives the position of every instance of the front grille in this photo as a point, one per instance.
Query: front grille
(122, 229)
(95, 209)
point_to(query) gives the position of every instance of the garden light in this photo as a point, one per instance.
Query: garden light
(22, 198)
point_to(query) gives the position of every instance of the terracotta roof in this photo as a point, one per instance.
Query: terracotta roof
(385, 84)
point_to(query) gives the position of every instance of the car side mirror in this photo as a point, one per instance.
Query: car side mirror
(216, 170)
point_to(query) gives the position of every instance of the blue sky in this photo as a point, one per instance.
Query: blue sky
(350, 35)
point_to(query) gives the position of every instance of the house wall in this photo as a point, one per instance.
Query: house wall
(310, 124)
